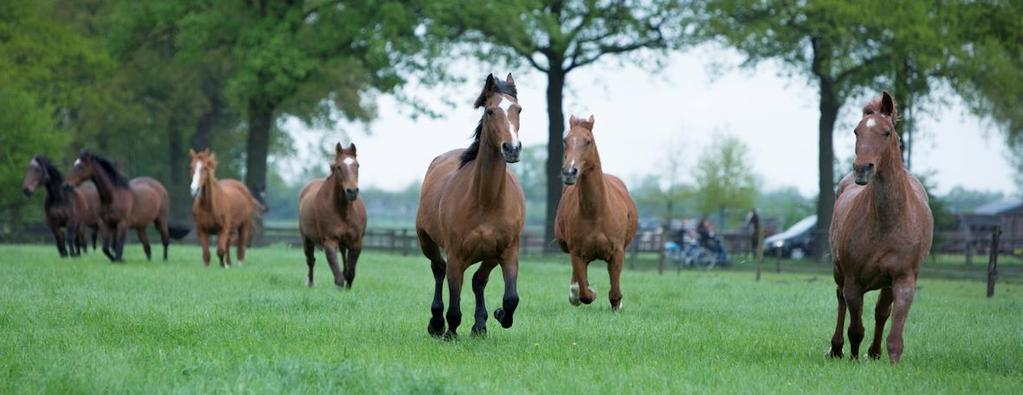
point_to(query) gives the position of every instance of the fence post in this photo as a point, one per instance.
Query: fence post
(405, 242)
(992, 265)
(635, 252)
(660, 249)
(758, 248)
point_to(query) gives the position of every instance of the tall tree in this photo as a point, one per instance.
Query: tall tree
(556, 37)
(835, 44)
(724, 177)
(316, 60)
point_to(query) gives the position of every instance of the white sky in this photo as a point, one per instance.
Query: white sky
(638, 114)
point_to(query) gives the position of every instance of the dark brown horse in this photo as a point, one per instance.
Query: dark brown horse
(880, 233)
(65, 207)
(472, 207)
(596, 217)
(332, 216)
(123, 205)
(221, 207)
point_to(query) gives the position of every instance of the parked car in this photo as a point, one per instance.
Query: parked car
(796, 242)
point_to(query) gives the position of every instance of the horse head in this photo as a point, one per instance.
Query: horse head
(202, 167)
(83, 169)
(501, 117)
(878, 146)
(580, 149)
(345, 171)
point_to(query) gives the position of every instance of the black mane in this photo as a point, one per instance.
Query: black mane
(53, 175)
(474, 149)
(110, 169)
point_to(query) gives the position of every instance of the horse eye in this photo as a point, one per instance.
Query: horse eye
(490, 111)
(887, 133)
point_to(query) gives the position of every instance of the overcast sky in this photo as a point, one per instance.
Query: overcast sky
(638, 114)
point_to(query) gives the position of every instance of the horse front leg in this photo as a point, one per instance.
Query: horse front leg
(510, 268)
(579, 290)
(614, 271)
(455, 272)
(351, 259)
(108, 241)
(243, 241)
(223, 242)
(330, 250)
(71, 240)
(204, 245)
(838, 339)
(854, 300)
(438, 266)
(881, 314)
(903, 291)
(479, 283)
(119, 238)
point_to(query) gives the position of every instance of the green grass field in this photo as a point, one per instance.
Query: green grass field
(88, 326)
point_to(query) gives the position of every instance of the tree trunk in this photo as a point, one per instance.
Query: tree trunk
(555, 147)
(260, 122)
(204, 128)
(829, 106)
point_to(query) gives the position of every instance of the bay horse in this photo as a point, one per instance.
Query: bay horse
(472, 207)
(220, 207)
(332, 216)
(65, 207)
(881, 232)
(597, 218)
(123, 205)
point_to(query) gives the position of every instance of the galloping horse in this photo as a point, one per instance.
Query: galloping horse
(123, 204)
(332, 216)
(65, 207)
(472, 207)
(596, 217)
(880, 233)
(221, 207)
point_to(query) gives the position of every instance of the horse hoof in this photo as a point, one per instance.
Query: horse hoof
(833, 355)
(435, 329)
(616, 308)
(573, 300)
(450, 336)
(573, 294)
(480, 332)
(309, 283)
(500, 316)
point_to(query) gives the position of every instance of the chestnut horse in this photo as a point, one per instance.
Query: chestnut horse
(65, 207)
(596, 217)
(332, 216)
(123, 204)
(880, 233)
(472, 207)
(221, 207)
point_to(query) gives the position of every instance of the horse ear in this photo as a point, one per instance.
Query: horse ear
(572, 120)
(887, 104)
(489, 88)
(191, 152)
(338, 149)
(590, 121)
(351, 148)
(509, 79)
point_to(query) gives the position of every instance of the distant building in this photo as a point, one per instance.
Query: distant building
(1005, 213)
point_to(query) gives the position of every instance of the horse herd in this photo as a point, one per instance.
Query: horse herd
(472, 209)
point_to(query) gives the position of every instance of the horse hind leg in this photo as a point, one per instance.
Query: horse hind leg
(144, 239)
(881, 314)
(71, 240)
(161, 224)
(479, 284)
(330, 249)
(243, 241)
(437, 264)
(310, 258)
(58, 239)
(223, 242)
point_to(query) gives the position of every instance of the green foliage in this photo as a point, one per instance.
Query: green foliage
(724, 176)
(963, 200)
(530, 172)
(786, 204)
(89, 326)
(28, 129)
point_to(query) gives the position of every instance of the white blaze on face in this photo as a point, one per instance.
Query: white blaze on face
(78, 162)
(506, 105)
(34, 163)
(195, 179)
(871, 123)
(349, 161)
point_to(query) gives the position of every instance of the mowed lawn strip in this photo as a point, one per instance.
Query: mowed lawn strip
(85, 325)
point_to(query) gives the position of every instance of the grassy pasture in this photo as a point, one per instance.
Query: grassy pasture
(85, 325)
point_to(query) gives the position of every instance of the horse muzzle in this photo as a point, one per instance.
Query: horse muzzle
(352, 194)
(27, 192)
(863, 173)
(570, 176)
(511, 153)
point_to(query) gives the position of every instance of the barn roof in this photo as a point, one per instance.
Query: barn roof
(999, 207)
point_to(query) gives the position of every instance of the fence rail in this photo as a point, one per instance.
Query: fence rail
(403, 241)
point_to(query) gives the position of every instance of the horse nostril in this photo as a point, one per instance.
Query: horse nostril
(506, 147)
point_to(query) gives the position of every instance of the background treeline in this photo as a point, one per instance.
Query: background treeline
(143, 81)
